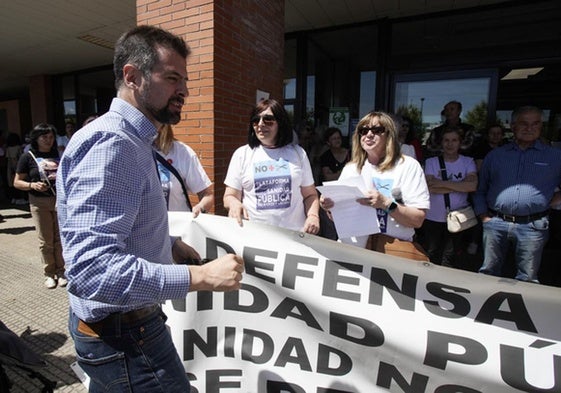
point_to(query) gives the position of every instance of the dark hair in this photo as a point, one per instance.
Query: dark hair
(457, 103)
(62, 131)
(411, 133)
(284, 135)
(458, 130)
(494, 125)
(139, 47)
(330, 131)
(13, 139)
(42, 129)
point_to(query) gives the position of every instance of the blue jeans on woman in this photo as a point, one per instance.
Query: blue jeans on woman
(528, 241)
(139, 357)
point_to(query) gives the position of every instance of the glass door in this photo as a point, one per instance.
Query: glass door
(422, 97)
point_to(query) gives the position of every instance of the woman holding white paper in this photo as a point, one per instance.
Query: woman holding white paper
(396, 186)
(36, 173)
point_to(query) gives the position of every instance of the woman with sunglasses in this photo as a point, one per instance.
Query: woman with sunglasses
(396, 183)
(270, 180)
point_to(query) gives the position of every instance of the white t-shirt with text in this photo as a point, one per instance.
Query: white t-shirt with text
(186, 162)
(271, 181)
(408, 176)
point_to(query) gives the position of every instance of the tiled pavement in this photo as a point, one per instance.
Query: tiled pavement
(36, 314)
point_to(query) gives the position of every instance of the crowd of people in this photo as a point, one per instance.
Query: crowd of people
(450, 172)
(97, 202)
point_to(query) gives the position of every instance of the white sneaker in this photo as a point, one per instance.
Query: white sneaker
(62, 281)
(50, 283)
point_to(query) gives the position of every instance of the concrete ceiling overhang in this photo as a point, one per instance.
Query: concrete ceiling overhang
(57, 36)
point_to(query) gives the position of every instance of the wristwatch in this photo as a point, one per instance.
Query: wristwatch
(391, 207)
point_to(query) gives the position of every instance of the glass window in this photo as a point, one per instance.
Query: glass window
(340, 72)
(423, 96)
(311, 98)
(290, 89)
(69, 98)
(290, 62)
(289, 108)
(367, 92)
(70, 108)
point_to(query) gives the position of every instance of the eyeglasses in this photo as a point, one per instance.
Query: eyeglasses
(268, 120)
(376, 130)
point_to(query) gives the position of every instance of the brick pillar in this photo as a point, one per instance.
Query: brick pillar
(237, 48)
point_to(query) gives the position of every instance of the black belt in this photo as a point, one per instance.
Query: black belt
(117, 319)
(519, 219)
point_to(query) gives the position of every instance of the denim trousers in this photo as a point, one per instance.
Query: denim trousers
(139, 357)
(528, 241)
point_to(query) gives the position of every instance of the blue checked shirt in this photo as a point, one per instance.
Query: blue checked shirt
(113, 218)
(518, 182)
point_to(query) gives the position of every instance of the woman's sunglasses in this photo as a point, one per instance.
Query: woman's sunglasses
(268, 120)
(376, 130)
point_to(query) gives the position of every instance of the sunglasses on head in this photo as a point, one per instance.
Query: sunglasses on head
(268, 120)
(376, 130)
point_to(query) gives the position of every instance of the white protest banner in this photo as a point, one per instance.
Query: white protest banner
(315, 315)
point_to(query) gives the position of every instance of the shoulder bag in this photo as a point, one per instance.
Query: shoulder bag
(456, 220)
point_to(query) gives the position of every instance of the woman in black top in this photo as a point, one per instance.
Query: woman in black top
(36, 173)
(334, 159)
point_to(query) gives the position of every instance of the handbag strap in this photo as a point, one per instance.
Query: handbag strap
(42, 174)
(172, 169)
(444, 176)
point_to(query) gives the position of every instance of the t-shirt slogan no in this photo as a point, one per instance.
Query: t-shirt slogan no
(273, 184)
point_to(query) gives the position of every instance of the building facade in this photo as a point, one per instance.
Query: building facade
(492, 57)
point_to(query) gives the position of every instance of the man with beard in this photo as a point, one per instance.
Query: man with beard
(114, 226)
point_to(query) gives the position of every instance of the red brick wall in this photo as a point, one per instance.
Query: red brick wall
(237, 48)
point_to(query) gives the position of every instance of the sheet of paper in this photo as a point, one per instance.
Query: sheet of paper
(350, 217)
(354, 181)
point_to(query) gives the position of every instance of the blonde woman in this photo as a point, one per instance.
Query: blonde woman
(396, 183)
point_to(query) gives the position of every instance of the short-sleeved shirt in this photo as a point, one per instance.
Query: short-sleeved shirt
(271, 181)
(185, 161)
(408, 176)
(327, 159)
(42, 168)
(455, 171)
